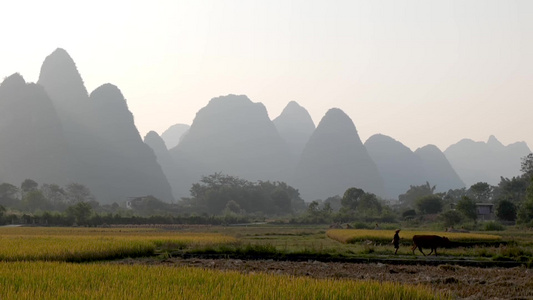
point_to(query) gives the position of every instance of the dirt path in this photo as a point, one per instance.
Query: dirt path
(461, 282)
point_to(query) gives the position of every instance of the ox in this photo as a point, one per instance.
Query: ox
(429, 241)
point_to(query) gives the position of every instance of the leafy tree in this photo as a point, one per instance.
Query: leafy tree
(28, 185)
(77, 192)
(451, 218)
(408, 214)
(213, 192)
(313, 208)
(149, 205)
(278, 196)
(53, 192)
(233, 207)
(318, 213)
(369, 205)
(525, 213)
(327, 209)
(356, 203)
(506, 210)
(429, 204)
(352, 197)
(35, 200)
(81, 212)
(526, 166)
(415, 192)
(481, 192)
(467, 207)
(513, 189)
(334, 202)
(8, 194)
(452, 196)
(2, 212)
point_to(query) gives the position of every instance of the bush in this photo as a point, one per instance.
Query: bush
(430, 204)
(409, 214)
(493, 226)
(451, 218)
(361, 225)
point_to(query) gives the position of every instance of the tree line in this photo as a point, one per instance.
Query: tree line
(223, 199)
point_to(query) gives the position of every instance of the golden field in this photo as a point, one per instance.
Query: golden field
(82, 244)
(58, 280)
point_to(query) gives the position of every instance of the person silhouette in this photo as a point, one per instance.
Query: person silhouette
(396, 241)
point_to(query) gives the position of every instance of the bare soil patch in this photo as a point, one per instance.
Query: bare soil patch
(460, 282)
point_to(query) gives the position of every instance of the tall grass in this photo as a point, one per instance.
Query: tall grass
(83, 244)
(55, 280)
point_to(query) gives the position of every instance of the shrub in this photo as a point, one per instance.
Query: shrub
(451, 218)
(361, 225)
(409, 214)
(493, 226)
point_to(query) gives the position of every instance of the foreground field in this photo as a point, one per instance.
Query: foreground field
(42, 280)
(151, 261)
(456, 281)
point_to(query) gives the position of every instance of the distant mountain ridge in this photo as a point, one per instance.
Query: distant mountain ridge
(396, 163)
(55, 132)
(32, 142)
(486, 162)
(334, 160)
(173, 135)
(232, 135)
(75, 137)
(438, 169)
(295, 126)
(401, 168)
(321, 173)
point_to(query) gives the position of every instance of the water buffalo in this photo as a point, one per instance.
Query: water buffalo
(429, 241)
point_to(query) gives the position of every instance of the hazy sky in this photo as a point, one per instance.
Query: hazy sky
(422, 72)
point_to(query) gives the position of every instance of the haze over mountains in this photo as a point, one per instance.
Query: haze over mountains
(173, 135)
(70, 136)
(295, 126)
(402, 167)
(234, 136)
(334, 159)
(55, 132)
(486, 162)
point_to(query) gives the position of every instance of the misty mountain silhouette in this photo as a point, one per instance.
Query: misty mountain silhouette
(64, 85)
(172, 172)
(104, 150)
(32, 144)
(334, 160)
(174, 134)
(401, 168)
(295, 126)
(54, 132)
(486, 162)
(125, 162)
(396, 163)
(439, 171)
(234, 136)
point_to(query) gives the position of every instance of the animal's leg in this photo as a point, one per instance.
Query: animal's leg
(431, 251)
(420, 248)
(414, 248)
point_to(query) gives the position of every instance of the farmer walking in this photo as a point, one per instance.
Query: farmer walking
(396, 241)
